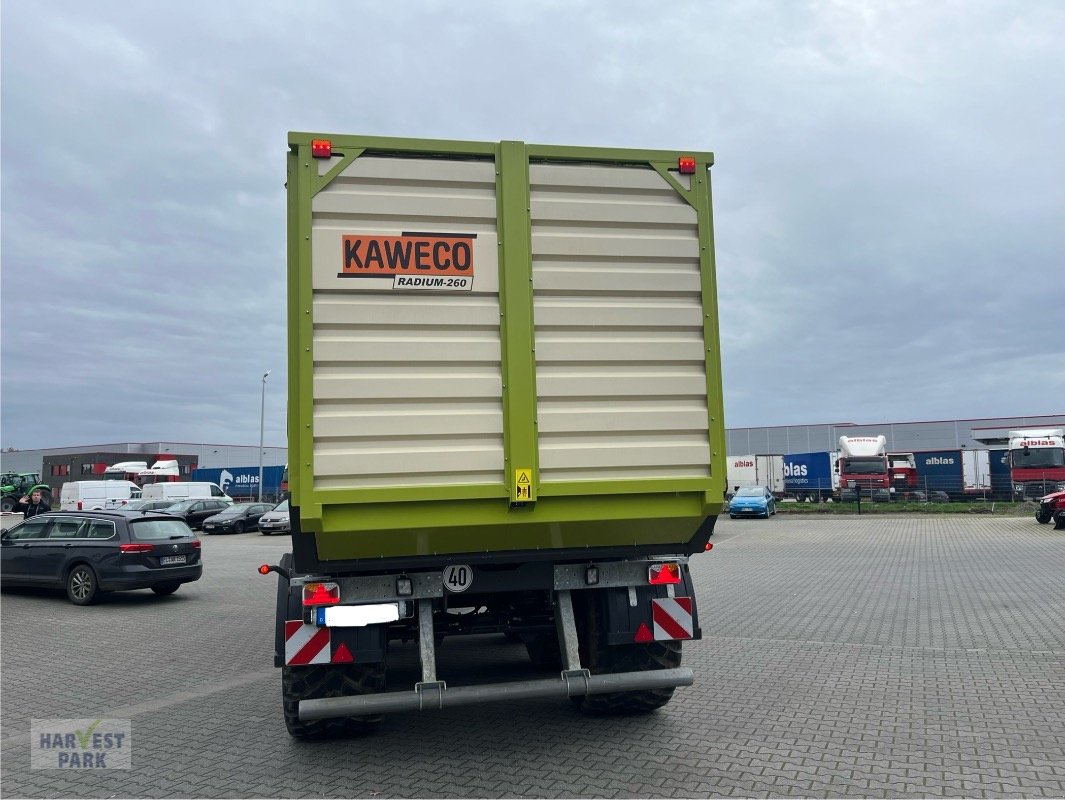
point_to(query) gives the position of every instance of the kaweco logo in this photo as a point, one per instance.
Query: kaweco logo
(439, 255)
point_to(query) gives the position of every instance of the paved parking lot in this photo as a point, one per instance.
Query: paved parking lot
(857, 657)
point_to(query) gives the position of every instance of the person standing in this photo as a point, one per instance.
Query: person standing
(32, 505)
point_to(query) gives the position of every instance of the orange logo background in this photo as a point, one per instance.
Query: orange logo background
(369, 256)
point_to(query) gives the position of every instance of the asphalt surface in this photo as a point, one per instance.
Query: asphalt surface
(843, 657)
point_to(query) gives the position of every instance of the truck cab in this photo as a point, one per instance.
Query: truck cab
(903, 471)
(1037, 462)
(863, 466)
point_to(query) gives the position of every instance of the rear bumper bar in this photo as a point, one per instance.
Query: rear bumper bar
(571, 684)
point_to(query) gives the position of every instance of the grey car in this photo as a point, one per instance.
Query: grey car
(146, 505)
(90, 552)
(275, 521)
(237, 518)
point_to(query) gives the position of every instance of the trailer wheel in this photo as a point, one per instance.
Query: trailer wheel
(1059, 524)
(314, 682)
(601, 659)
(1043, 515)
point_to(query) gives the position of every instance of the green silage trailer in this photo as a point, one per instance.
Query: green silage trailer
(505, 418)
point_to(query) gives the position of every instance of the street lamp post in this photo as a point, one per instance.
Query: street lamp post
(262, 418)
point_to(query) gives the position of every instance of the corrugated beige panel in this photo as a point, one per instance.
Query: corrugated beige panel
(621, 386)
(411, 418)
(407, 382)
(578, 416)
(674, 451)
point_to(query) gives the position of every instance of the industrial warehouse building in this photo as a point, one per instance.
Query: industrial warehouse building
(902, 437)
(59, 465)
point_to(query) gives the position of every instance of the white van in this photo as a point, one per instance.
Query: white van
(97, 495)
(182, 490)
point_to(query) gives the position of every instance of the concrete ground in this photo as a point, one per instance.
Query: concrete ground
(842, 656)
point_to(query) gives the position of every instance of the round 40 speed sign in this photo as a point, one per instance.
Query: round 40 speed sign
(458, 577)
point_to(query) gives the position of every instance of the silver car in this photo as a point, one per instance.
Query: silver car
(275, 521)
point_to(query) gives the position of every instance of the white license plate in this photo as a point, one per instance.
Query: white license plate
(165, 560)
(357, 616)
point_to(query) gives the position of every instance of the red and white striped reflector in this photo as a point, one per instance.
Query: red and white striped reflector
(305, 644)
(672, 618)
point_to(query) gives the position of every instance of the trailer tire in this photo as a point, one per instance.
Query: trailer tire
(314, 682)
(1059, 524)
(600, 659)
(1043, 516)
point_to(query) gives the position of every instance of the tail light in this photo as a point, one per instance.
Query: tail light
(663, 573)
(136, 548)
(79, 505)
(195, 544)
(321, 148)
(686, 165)
(321, 594)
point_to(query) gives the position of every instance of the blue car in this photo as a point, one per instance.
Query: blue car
(754, 501)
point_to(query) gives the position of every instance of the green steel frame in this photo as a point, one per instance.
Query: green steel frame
(398, 521)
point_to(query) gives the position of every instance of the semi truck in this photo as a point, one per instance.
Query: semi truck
(863, 467)
(756, 470)
(505, 419)
(902, 472)
(811, 476)
(1037, 462)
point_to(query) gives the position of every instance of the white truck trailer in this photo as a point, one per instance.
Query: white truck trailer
(756, 470)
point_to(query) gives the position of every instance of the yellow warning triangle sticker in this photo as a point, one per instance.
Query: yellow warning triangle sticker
(523, 477)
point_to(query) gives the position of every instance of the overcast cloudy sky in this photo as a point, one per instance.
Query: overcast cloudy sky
(889, 189)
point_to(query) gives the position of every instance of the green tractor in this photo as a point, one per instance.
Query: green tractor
(16, 485)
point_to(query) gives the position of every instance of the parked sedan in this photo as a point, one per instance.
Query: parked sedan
(275, 521)
(194, 512)
(237, 518)
(753, 501)
(146, 505)
(89, 552)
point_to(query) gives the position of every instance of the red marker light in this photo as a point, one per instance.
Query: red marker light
(323, 148)
(709, 546)
(686, 165)
(264, 569)
(663, 573)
